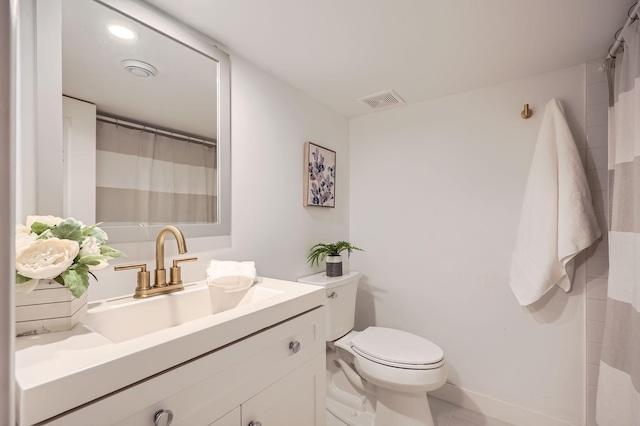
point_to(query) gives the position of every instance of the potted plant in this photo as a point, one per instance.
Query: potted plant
(330, 252)
(56, 257)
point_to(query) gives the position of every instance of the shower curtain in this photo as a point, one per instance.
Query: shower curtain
(149, 178)
(618, 398)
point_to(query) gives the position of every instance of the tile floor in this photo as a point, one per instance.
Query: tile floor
(447, 414)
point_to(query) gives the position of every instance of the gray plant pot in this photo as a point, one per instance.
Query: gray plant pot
(334, 266)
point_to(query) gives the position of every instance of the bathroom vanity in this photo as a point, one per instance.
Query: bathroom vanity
(260, 362)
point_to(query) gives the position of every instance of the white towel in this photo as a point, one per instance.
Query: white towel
(230, 275)
(557, 220)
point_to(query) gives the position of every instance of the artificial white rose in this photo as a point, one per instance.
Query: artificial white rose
(91, 247)
(46, 258)
(24, 237)
(47, 220)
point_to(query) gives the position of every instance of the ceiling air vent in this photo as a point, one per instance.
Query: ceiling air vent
(383, 99)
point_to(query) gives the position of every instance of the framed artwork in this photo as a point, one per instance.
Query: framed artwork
(319, 176)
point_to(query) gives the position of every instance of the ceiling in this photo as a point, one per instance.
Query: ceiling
(340, 50)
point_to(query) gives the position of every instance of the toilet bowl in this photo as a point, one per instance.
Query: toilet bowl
(378, 376)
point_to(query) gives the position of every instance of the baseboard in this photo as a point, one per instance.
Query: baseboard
(495, 408)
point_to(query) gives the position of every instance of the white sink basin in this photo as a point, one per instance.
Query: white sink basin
(125, 318)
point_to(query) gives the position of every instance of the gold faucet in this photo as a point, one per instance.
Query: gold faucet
(160, 285)
(160, 274)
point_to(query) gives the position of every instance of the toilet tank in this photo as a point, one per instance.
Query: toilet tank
(341, 301)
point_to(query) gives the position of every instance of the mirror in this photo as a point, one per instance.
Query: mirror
(161, 96)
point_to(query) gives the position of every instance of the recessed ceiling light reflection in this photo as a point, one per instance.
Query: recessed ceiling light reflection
(123, 33)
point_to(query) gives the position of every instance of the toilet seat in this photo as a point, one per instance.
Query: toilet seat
(396, 348)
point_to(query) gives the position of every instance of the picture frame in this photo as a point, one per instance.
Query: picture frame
(319, 176)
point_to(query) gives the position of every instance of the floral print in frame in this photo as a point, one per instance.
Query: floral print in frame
(319, 176)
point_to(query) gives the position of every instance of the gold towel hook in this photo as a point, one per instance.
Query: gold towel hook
(527, 112)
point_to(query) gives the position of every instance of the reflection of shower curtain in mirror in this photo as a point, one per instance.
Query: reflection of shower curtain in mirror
(618, 398)
(143, 177)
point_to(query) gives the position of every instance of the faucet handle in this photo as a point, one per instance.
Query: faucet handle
(175, 274)
(144, 276)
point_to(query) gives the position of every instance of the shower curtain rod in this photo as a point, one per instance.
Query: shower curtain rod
(150, 129)
(616, 46)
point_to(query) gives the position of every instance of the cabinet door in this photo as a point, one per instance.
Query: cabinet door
(229, 419)
(295, 400)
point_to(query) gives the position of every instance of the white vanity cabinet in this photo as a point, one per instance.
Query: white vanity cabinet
(275, 376)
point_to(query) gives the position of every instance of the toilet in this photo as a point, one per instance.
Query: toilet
(379, 376)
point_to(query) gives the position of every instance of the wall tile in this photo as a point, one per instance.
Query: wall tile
(593, 353)
(591, 405)
(603, 222)
(597, 136)
(597, 158)
(595, 72)
(597, 288)
(599, 249)
(597, 262)
(597, 114)
(600, 200)
(596, 310)
(593, 371)
(597, 93)
(595, 331)
(598, 267)
(598, 179)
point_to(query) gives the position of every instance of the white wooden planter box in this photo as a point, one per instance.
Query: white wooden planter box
(49, 307)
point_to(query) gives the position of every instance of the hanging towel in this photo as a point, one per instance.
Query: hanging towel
(557, 220)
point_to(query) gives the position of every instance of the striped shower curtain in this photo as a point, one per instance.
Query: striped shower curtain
(618, 399)
(149, 178)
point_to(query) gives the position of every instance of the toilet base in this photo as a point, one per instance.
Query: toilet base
(392, 409)
(340, 415)
(406, 409)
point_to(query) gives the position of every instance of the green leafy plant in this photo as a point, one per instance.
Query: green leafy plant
(320, 251)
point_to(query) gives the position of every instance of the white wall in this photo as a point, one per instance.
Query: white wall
(7, 40)
(270, 123)
(436, 190)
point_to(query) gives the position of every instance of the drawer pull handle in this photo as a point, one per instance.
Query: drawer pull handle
(333, 295)
(163, 418)
(294, 347)
(252, 423)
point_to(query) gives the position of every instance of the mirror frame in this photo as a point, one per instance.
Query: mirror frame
(158, 21)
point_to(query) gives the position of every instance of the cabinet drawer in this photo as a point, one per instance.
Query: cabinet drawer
(212, 385)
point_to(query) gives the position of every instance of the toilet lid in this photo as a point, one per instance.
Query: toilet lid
(397, 347)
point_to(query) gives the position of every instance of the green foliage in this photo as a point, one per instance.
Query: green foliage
(320, 251)
(76, 279)
(39, 227)
(20, 279)
(92, 260)
(111, 253)
(68, 229)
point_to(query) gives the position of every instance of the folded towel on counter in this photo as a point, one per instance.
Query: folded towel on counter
(230, 275)
(557, 220)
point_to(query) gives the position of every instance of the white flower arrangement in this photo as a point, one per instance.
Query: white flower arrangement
(64, 250)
